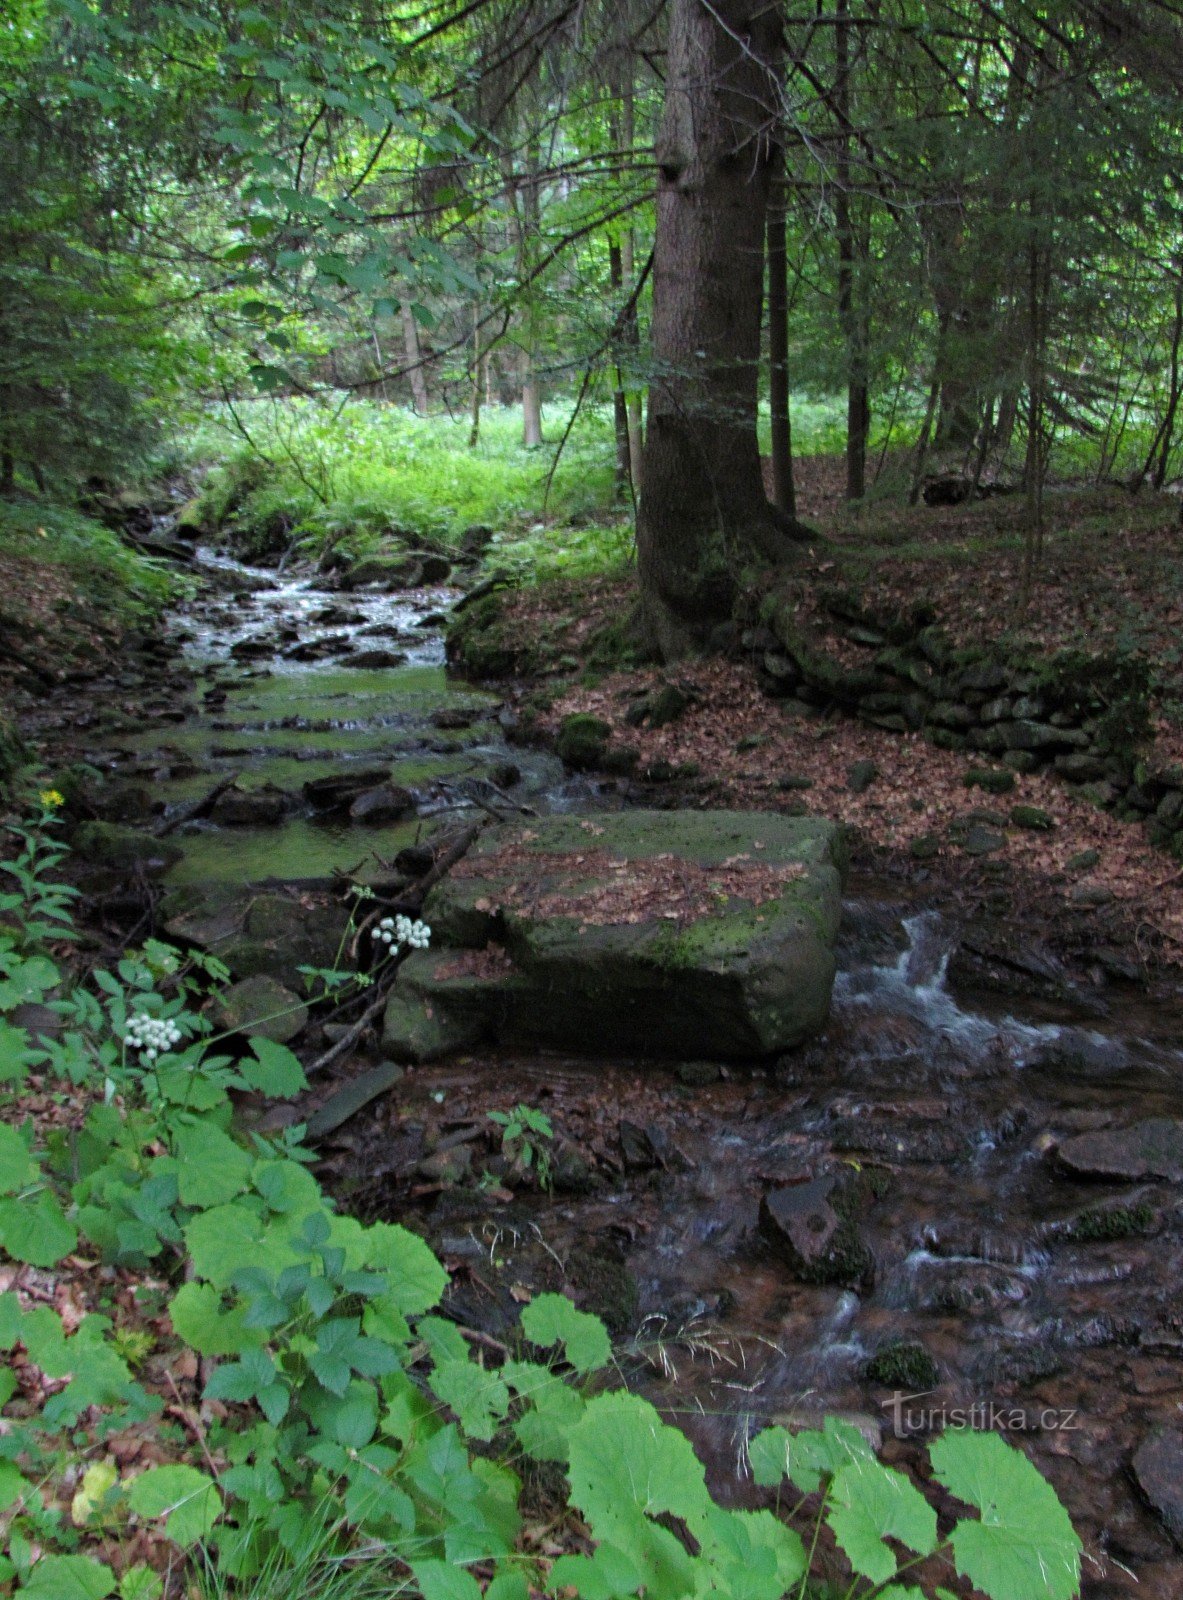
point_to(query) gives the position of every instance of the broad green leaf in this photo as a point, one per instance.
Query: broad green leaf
(544, 1431)
(869, 1503)
(36, 1231)
(551, 1318)
(1023, 1529)
(417, 1280)
(478, 1397)
(17, 1167)
(604, 1575)
(186, 1498)
(275, 1071)
(69, 1578)
(200, 1321)
(508, 1586)
(212, 1168)
(768, 1454)
(755, 1556)
(441, 1580)
(350, 1418)
(625, 1460)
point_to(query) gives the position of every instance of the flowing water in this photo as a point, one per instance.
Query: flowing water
(954, 1100)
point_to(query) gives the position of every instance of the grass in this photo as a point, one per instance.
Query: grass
(85, 555)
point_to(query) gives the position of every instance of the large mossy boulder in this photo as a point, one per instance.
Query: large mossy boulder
(664, 933)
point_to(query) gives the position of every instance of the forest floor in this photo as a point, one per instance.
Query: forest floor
(1109, 580)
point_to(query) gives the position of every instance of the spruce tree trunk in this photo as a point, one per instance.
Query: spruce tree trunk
(783, 495)
(703, 511)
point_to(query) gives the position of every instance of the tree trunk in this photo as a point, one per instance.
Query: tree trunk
(703, 511)
(416, 374)
(850, 314)
(632, 332)
(1168, 427)
(619, 402)
(478, 381)
(783, 494)
(531, 404)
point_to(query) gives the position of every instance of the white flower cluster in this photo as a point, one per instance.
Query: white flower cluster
(401, 930)
(151, 1036)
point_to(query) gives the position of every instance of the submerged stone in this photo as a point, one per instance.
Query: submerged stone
(676, 934)
(813, 1229)
(1150, 1149)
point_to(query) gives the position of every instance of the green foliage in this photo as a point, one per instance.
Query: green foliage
(109, 573)
(526, 1138)
(360, 1433)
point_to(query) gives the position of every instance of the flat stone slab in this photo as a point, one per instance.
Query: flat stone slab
(654, 933)
(1151, 1149)
(1158, 1472)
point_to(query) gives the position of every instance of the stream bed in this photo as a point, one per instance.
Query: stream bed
(1055, 1298)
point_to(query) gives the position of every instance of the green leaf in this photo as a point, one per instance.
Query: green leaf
(440, 1580)
(213, 1169)
(551, 1318)
(69, 1578)
(768, 1454)
(625, 1460)
(17, 1167)
(13, 1484)
(350, 1418)
(200, 1321)
(140, 1583)
(417, 1280)
(869, 1503)
(478, 1397)
(275, 1071)
(604, 1575)
(1023, 1529)
(188, 1499)
(36, 1231)
(544, 1431)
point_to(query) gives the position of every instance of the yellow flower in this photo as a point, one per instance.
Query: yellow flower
(52, 799)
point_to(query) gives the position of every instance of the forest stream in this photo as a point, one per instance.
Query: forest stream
(996, 1278)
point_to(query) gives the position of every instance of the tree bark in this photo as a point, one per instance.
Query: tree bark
(703, 510)
(619, 402)
(850, 313)
(416, 373)
(784, 496)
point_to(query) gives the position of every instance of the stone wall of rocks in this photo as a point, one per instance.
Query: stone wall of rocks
(1083, 718)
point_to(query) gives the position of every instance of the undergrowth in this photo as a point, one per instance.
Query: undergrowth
(352, 1440)
(105, 569)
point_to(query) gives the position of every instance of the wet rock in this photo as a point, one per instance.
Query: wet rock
(607, 951)
(259, 1006)
(476, 539)
(1158, 1471)
(602, 1284)
(265, 807)
(637, 1148)
(812, 1227)
(338, 792)
(455, 717)
(253, 649)
(1032, 817)
(376, 660)
(415, 860)
(861, 775)
(1021, 761)
(277, 935)
(505, 774)
(894, 1139)
(1150, 1149)
(382, 572)
(319, 649)
(385, 804)
(991, 779)
(582, 740)
(124, 850)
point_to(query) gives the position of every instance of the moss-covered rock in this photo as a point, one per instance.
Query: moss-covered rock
(903, 1364)
(657, 933)
(582, 741)
(260, 1006)
(483, 642)
(813, 1228)
(120, 849)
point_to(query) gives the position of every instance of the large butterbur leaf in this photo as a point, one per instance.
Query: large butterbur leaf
(1024, 1543)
